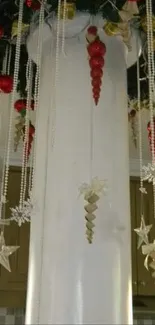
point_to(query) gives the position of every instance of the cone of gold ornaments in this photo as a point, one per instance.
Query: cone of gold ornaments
(67, 10)
(18, 131)
(92, 194)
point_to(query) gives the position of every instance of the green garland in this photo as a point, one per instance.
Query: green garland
(9, 13)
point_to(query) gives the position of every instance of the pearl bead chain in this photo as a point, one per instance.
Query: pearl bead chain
(63, 26)
(37, 86)
(56, 76)
(15, 82)
(151, 73)
(25, 144)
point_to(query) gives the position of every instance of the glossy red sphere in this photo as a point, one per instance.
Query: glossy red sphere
(96, 48)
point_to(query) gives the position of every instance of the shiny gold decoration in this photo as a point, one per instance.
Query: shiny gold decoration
(67, 10)
(144, 23)
(122, 29)
(90, 208)
(14, 30)
(92, 194)
(111, 29)
(18, 131)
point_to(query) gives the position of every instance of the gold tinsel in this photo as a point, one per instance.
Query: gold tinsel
(144, 23)
(67, 10)
(18, 131)
(90, 208)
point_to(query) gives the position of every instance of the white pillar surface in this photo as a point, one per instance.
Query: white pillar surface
(71, 281)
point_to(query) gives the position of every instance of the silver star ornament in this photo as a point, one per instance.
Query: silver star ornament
(5, 252)
(142, 233)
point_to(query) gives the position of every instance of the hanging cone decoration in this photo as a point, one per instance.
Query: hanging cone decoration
(90, 208)
(92, 194)
(131, 7)
(96, 50)
(150, 134)
(18, 131)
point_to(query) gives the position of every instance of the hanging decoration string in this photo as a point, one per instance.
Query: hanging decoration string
(9, 59)
(63, 26)
(15, 82)
(56, 75)
(26, 133)
(37, 85)
(151, 75)
(142, 189)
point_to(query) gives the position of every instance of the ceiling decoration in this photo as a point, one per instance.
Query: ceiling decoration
(109, 10)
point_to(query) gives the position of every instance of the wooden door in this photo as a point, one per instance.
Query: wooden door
(13, 285)
(146, 284)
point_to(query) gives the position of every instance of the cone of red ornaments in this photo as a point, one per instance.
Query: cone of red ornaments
(96, 50)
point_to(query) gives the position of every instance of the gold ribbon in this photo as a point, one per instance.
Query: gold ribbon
(67, 10)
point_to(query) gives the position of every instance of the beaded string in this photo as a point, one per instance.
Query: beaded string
(15, 82)
(151, 74)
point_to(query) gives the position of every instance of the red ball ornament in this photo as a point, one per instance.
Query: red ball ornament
(92, 30)
(19, 105)
(6, 84)
(97, 48)
(1, 31)
(96, 62)
(33, 4)
(31, 130)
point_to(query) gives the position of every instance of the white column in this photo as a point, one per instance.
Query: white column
(71, 281)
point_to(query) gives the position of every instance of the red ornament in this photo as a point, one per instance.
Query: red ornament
(33, 4)
(1, 31)
(21, 104)
(6, 84)
(96, 62)
(92, 30)
(96, 82)
(97, 48)
(96, 73)
(28, 146)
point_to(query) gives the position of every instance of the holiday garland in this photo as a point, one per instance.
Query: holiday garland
(109, 10)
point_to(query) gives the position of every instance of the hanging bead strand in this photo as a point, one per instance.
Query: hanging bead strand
(15, 82)
(37, 86)
(151, 74)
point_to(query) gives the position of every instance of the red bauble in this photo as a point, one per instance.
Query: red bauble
(92, 30)
(33, 4)
(1, 31)
(31, 130)
(6, 84)
(96, 72)
(19, 105)
(96, 48)
(96, 62)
